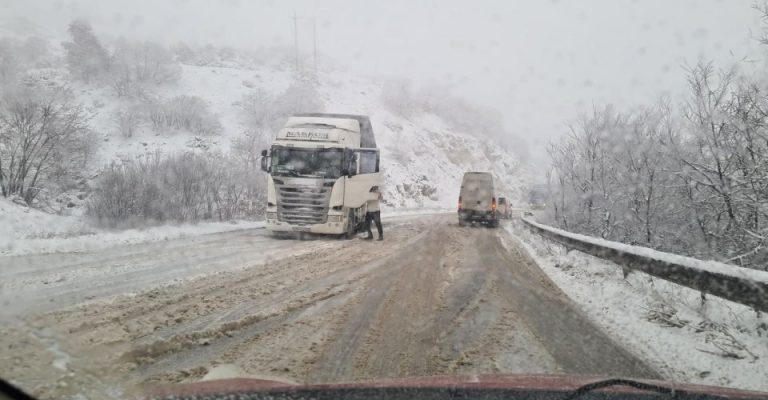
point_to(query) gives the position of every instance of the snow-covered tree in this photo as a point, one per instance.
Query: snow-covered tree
(43, 137)
(692, 180)
(86, 57)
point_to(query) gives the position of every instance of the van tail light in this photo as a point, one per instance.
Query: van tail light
(459, 202)
(493, 204)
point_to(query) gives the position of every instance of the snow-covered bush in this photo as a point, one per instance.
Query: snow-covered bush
(128, 119)
(184, 187)
(188, 113)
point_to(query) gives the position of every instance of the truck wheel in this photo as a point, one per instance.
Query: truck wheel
(281, 235)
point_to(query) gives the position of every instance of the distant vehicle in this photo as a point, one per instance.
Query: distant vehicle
(323, 170)
(477, 199)
(504, 208)
(538, 194)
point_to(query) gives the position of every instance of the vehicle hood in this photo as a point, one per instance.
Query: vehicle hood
(509, 382)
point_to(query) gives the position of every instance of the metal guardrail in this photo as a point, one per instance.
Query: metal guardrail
(733, 283)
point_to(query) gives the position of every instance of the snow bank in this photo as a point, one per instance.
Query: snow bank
(25, 230)
(18, 222)
(101, 239)
(717, 343)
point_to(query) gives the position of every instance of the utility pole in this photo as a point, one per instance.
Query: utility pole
(296, 39)
(314, 40)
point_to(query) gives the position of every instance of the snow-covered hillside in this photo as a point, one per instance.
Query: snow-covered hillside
(422, 158)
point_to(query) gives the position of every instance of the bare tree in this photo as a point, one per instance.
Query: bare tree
(42, 134)
(692, 181)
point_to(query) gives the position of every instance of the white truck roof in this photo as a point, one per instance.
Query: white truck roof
(363, 126)
(340, 123)
(320, 131)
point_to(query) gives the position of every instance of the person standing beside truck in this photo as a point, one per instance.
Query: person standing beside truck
(374, 214)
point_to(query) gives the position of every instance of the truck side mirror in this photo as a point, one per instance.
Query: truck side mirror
(265, 161)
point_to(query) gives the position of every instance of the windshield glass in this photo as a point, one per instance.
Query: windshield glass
(559, 189)
(325, 163)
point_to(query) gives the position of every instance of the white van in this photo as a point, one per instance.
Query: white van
(477, 199)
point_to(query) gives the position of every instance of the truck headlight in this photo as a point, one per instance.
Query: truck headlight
(335, 218)
(271, 215)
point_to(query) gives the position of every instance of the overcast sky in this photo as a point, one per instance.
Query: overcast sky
(539, 62)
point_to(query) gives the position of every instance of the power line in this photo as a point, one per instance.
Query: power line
(314, 42)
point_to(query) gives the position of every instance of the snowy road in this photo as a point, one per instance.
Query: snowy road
(431, 299)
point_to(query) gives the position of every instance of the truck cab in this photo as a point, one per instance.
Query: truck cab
(323, 169)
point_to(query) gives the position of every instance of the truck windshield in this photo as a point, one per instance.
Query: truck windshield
(326, 163)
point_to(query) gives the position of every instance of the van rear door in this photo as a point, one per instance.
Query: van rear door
(477, 191)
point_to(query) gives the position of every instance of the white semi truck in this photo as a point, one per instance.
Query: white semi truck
(323, 170)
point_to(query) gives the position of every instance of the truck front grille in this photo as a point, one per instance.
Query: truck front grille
(303, 204)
